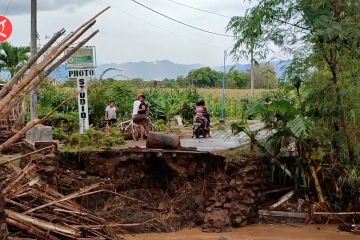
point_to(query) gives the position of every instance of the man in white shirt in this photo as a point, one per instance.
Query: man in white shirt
(136, 106)
(110, 113)
(139, 113)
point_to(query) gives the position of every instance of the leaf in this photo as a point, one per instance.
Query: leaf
(257, 109)
(299, 126)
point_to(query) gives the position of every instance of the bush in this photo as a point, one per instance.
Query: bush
(92, 139)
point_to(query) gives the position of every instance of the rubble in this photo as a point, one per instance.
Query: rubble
(212, 193)
(238, 192)
(37, 209)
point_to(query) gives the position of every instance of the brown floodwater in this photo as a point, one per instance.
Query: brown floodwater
(256, 232)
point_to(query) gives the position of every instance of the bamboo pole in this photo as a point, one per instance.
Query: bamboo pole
(38, 80)
(41, 223)
(7, 87)
(26, 155)
(283, 199)
(317, 184)
(69, 197)
(30, 229)
(40, 67)
(35, 122)
(70, 39)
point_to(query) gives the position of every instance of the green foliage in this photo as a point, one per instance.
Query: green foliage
(204, 77)
(265, 76)
(52, 95)
(322, 84)
(92, 139)
(12, 58)
(237, 79)
(162, 126)
(166, 104)
(101, 93)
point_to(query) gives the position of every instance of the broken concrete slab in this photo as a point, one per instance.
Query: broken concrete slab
(39, 133)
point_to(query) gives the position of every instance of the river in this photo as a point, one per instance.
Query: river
(256, 232)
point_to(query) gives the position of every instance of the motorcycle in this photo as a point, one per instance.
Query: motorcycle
(199, 128)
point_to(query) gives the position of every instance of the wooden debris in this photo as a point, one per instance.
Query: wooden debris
(263, 213)
(38, 210)
(283, 199)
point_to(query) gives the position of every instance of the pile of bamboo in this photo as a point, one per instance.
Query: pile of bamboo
(49, 57)
(37, 211)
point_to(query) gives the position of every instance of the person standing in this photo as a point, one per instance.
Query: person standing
(136, 105)
(140, 110)
(110, 113)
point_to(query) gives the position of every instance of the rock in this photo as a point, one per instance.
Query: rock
(227, 205)
(36, 157)
(82, 173)
(232, 183)
(49, 169)
(162, 206)
(199, 200)
(51, 156)
(229, 195)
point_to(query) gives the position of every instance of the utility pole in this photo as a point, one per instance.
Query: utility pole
(252, 70)
(33, 99)
(222, 120)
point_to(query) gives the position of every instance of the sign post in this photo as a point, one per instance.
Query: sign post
(81, 66)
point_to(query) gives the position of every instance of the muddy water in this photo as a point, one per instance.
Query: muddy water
(257, 232)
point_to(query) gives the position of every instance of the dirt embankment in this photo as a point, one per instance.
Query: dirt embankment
(167, 190)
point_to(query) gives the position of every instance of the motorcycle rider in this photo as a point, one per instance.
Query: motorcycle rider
(202, 113)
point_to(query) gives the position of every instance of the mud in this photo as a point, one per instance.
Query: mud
(256, 232)
(169, 190)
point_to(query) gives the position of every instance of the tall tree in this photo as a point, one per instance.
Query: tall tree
(265, 76)
(204, 77)
(237, 79)
(323, 37)
(12, 58)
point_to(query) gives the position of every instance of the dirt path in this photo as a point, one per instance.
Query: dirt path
(256, 232)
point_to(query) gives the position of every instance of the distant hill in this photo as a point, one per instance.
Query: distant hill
(157, 70)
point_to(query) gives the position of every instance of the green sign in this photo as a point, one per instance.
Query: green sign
(82, 58)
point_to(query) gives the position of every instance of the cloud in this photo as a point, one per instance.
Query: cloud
(19, 7)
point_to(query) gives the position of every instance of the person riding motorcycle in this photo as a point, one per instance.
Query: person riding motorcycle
(202, 113)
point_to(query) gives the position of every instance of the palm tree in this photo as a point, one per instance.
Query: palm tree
(12, 58)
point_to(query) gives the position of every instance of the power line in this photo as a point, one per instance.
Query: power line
(161, 28)
(199, 9)
(182, 23)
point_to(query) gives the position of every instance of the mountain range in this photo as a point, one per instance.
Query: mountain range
(156, 70)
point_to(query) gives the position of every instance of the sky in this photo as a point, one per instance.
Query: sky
(129, 32)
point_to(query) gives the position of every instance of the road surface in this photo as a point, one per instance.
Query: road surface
(220, 140)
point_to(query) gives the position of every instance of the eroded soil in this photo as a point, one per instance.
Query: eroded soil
(256, 232)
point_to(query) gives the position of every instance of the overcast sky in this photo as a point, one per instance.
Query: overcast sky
(127, 30)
